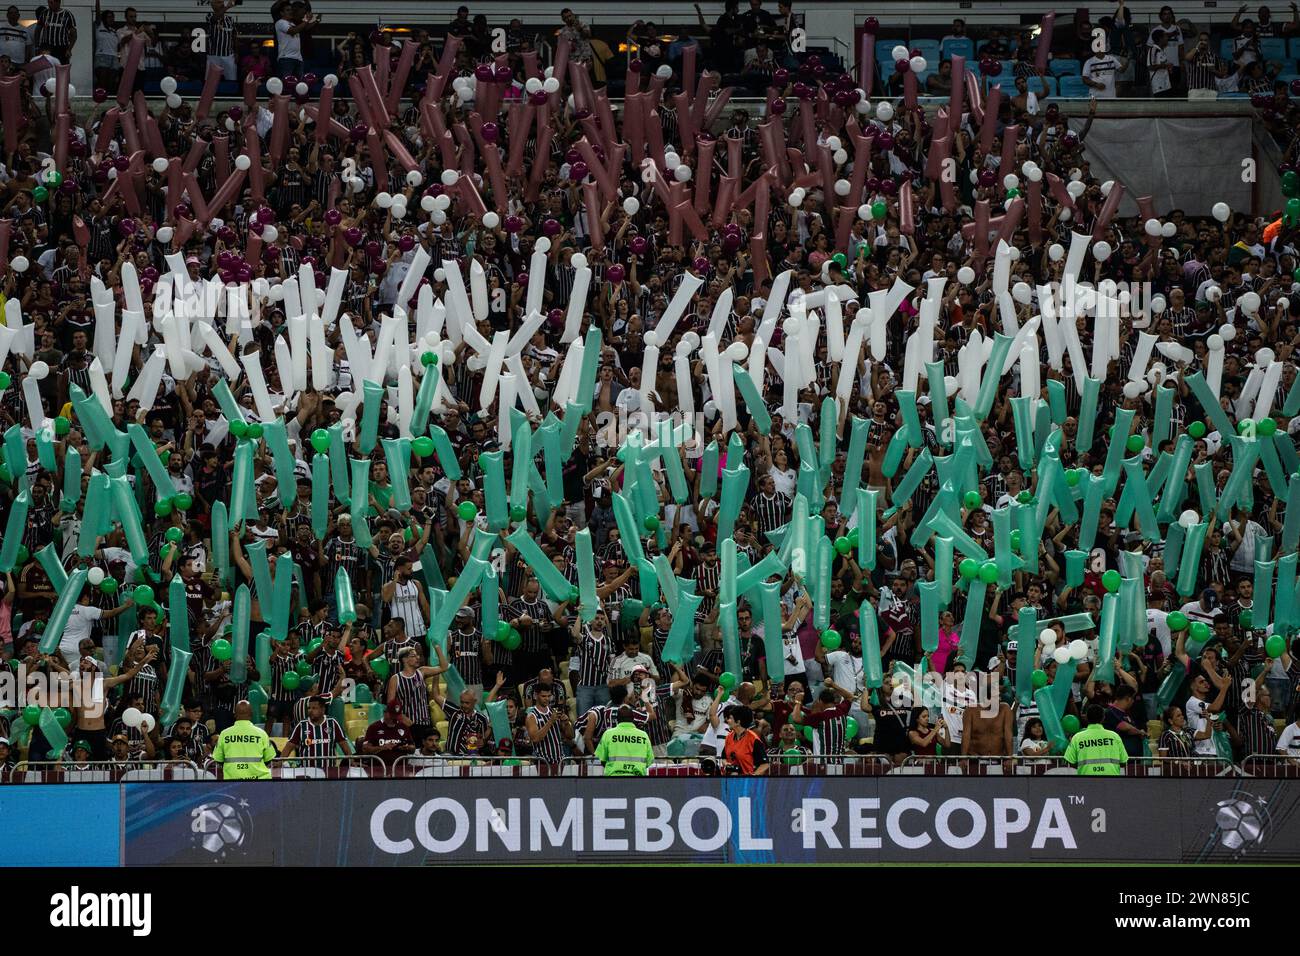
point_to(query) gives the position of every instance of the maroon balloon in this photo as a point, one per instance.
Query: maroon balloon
(311, 79)
(359, 132)
(701, 264)
(126, 227)
(266, 216)
(538, 98)
(522, 278)
(513, 224)
(435, 189)
(226, 235)
(776, 107)
(730, 242)
(555, 316)
(902, 66)
(226, 276)
(406, 243)
(180, 210)
(378, 267)
(889, 187)
(100, 94)
(843, 98)
(68, 188)
(780, 77)
(870, 25)
(490, 132)
(150, 273)
(885, 141)
(578, 171)
(333, 217)
(572, 156)
(373, 248)
(77, 148)
(122, 164)
(551, 228)
(637, 245)
(995, 68)
(271, 254)
(504, 74)
(309, 261)
(236, 113)
(987, 178)
(146, 287)
(873, 184)
(614, 273)
(635, 66)
(353, 236)
(245, 272)
(1295, 87)
(484, 73)
(290, 81)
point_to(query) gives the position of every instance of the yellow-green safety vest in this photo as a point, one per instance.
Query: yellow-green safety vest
(625, 751)
(1097, 752)
(242, 750)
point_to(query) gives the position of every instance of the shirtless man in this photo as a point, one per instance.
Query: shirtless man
(986, 734)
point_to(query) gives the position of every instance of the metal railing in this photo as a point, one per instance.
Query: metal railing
(358, 766)
(448, 766)
(963, 766)
(101, 771)
(1272, 766)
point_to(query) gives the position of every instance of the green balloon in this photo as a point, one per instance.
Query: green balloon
(652, 523)
(1176, 620)
(379, 665)
(1038, 678)
(143, 594)
(575, 594)
(165, 457)
(467, 510)
(843, 545)
(62, 426)
(1015, 540)
(1070, 724)
(1196, 429)
(518, 514)
(1246, 618)
(851, 728)
(162, 507)
(4, 380)
(291, 680)
(969, 569)
(972, 500)
(807, 729)
(1290, 183)
(40, 194)
(1111, 580)
(54, 178)
(513, 640)
(1293, 211)
(174, 535)
(108, 585)
(989, 572)
(1200, 631)
(503, 631)
(854, 538)
(314, 646)
(304, 669)
(320, 440)
(831, 640)
(63, 717)
(239, 429)
(1136, 443)
(792, 757)
(222, 649)
(1024, 497)
(878, 210)
(1072, 476)
(1274, 647)
(422, 446)
(429, 358)
(182, 502)
(1265, 427)
(31, 715)
(23, 555)
(1244, 425)
(255, 431)
(727, 680)
(1013, 192)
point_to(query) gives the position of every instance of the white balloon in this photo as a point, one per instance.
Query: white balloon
(1007, 204)
(438, 217)
(1066, 215)
(167, 84)
(1263, 357)
(543, 244)
(1056, 252)
(397, 212)
(532, 85)
(966, 275)
(160, 164)
(631, 205)
(682, 174)
(840, 157)
(1047, 637)
(301, 89)
(863, 105)
(1076, 174)
(578, 261)
(1189, 519)
(19, 264)
(414, 178)
(974, 177)
(550, 85)
(1034, 175)
(671, 160)
(1221, 211)
(95, 576)
(1101, 251)
(383, 200)
(1106, 187)
(794, 200)
(1284, 303)
(1010, 181)
(899, 52)
(842, 187)
(1227, 330)
(1214, 343)
(242, 162)
(1022, 293)
(1078, 649)
(864, 212)
(48, 86)
(1013, 252)
(833, 142)
(1213, 294)
(1026, 166)
(450, 177)
(884, 112)
(664, 72)
(439, 274)
(132, 717)
(1075, 188)
(1152, 227)
(651, 338)
(1132, 389)
(1168, 230)
(331, 80)
(918, 64)
(270, 234)
(426, 203)
(491, 220)
(174, 101)
(1061, 655)
(1158, 304)
(442, 202)
(148, 723)
(164, 234)
(274, 86)
(1249, 303)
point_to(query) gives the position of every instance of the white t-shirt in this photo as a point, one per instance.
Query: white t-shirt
(1158, 627)
(692, 713)
(846, 671)
(794, 665)
(1198, 715)
(287, 45)
(1243, 559)
(785, 481)
(1289, 740)
(715, 736)
(77, 629)
(1102, 69)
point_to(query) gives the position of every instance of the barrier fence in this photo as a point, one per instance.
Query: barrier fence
(365, 766)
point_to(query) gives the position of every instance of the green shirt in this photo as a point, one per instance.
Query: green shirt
(625, 751)
(1096, 751)
(243, 749)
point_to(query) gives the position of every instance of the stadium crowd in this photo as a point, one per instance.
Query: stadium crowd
(328, 202)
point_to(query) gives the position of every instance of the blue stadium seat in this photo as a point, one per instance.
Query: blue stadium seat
(1051, 85)
(1295, 48)
(1064, 66)
(1072, 88)
(958, 46)
(929, 49)
(1225, 48)
(1273, 48)
(885, 49)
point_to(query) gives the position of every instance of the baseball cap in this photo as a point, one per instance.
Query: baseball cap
(192, 260)
(394, 709)
(5, 741)
(1012, 645)
(81, 745)
(116, 737)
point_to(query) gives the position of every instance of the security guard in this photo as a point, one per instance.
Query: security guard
(1096, 751)
(243, 748)
(625, 749)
